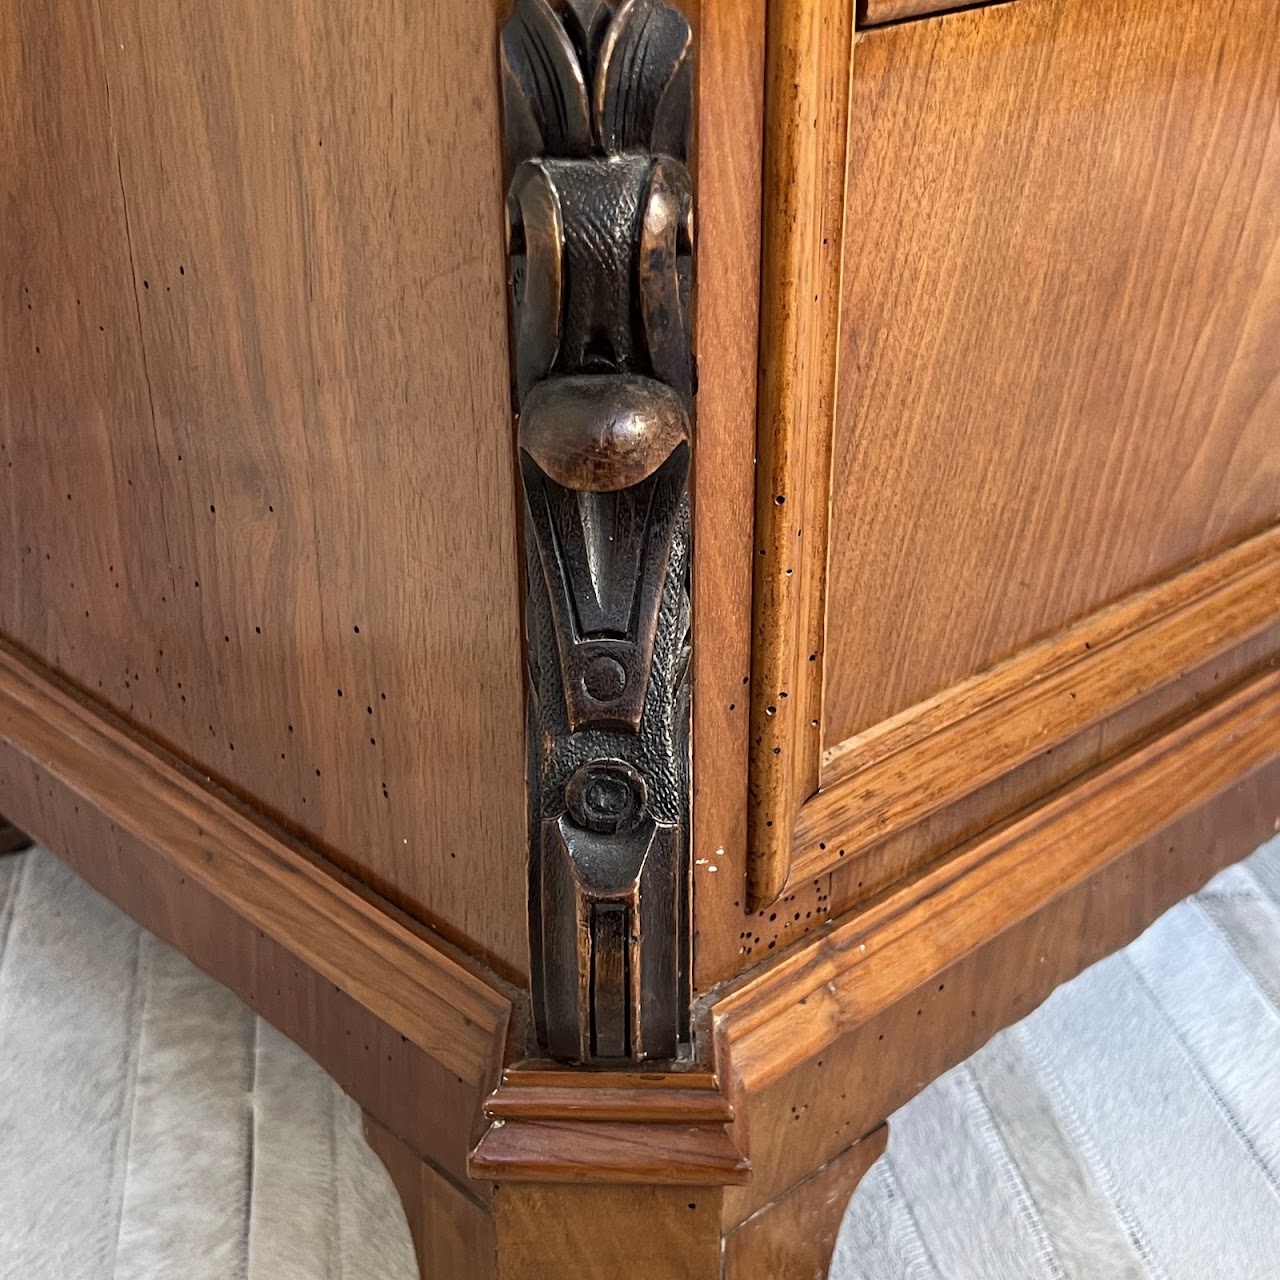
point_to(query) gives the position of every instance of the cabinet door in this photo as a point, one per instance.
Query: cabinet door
(1044, 485)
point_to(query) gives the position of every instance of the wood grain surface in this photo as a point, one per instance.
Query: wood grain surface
(1115, 665)
(255, 434)
(599, 1232)
(874, 13)
(454, 1234)
(1058, 375)
(794, 1236)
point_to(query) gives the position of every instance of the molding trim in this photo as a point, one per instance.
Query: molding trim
(598, 100)
(809, 68)
(934, 755)
(388, 1010)
(813, 814)
(893, 995)
(975, 943)
(876, 13)
(553, 1125)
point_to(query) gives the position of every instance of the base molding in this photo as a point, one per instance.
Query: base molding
(382, 1005)
(829, 1040)
(808, 1054)
(551, 1124)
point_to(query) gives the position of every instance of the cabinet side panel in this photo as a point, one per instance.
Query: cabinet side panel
(310, 577)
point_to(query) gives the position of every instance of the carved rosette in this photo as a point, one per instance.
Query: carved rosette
(597, 100)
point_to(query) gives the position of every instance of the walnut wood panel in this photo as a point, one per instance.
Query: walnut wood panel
(76, 451)
(386, 1010)
(956, 556)
(912, 767)
(549, 1232)
(820, 1047)
(1058, 375)
(897, 797)
(255, 417)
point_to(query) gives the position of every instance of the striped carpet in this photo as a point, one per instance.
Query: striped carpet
(152, 1128)
(1129, 1128)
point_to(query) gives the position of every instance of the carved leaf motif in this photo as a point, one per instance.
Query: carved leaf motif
(587, 21)
(543, 87)
(643, 82)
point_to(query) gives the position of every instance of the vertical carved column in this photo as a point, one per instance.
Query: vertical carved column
(597, 97)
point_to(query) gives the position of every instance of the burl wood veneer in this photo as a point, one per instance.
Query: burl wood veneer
(639, 577)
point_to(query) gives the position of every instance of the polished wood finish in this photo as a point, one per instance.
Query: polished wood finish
(453, 1230)
(911, 767)
(823, 1045)
(572, 1232)
(1038, 254)
(656, 1128)
(875, 13)
(258, 469)
(727, 173)
(599, 1232)
(255, 418)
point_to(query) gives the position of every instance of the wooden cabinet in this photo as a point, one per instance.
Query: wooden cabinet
(984, 590)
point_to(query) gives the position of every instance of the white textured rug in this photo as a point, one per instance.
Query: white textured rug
(151, 1127)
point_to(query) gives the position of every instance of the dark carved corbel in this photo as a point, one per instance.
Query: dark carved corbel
(597, 100)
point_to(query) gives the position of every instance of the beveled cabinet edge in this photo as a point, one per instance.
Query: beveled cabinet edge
(879, 13)
(808, 80)
(943, 751)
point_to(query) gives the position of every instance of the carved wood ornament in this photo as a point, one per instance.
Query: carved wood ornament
(597, 100)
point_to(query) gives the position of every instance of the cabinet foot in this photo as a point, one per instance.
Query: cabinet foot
(586, 1231)
(11, 839)
(453, 1230)
(796, 1234)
